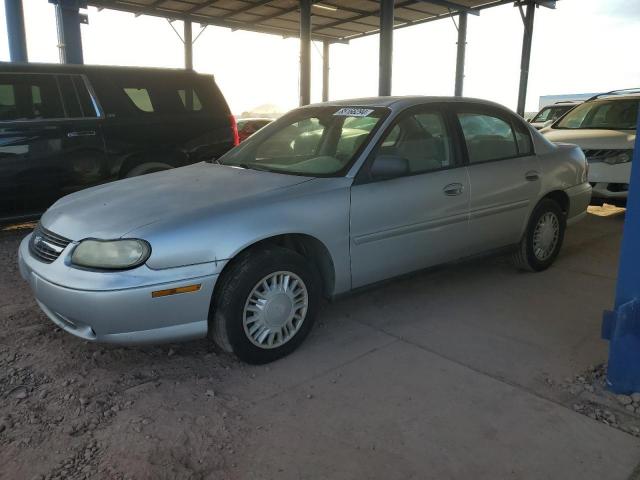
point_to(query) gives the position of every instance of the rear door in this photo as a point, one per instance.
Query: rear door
(39, 159)
(504, 175)
(411, 222)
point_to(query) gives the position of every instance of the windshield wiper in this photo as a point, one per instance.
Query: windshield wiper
(252, 166)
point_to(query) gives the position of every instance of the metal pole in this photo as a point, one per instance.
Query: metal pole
(526, 56)
(15, 30)
(305, 52)
(462, 47)
(188, 45)
(68, 19)
(386, 47)
(325, 70)
(622, 326)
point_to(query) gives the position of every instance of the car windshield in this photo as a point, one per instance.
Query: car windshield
(551, 113)
(316, 141)
(602, 114)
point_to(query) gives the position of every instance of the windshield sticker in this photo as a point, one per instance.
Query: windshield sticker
(353, 112)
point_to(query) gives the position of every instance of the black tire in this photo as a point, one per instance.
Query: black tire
(227, 309)
(524, 257)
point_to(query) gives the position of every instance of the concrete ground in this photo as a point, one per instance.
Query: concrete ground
(453, 373)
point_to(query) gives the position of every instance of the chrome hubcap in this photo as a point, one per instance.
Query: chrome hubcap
(275, 310)
(545, 236)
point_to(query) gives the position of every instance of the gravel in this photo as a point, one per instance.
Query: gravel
(70, 409)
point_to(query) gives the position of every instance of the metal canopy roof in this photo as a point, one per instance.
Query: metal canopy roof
(332, 20)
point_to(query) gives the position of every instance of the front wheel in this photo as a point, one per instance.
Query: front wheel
(543, 238)
(266, 305)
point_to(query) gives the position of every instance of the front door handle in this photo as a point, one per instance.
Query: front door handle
(532, 176)
(85, 133)
(453, 189)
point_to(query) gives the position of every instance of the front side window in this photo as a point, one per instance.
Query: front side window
(602, 114)
(319, 141)
(487, 137)
(29, 97)
(422, 139)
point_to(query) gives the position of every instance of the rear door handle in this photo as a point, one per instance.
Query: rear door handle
(532, 176)
(453, 189)
(85, 133)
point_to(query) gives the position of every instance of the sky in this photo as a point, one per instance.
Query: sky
(581, 46)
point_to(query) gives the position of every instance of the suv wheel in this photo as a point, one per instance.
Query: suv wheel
(543, 238)
(266, 305)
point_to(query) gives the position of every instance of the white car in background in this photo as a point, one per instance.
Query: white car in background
(605, 128)
(549, 114)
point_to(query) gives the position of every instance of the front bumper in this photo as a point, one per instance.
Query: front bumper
(118, 307)
(609, 181)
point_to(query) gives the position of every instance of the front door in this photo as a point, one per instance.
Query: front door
(415, 220)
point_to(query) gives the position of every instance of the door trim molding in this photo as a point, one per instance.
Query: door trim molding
(406, 229)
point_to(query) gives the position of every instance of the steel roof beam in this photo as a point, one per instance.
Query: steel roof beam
(205, 20)
(454, 6)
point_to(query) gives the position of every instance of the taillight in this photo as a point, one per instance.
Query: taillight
(234, 130)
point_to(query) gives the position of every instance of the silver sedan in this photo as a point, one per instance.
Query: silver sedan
(328, 198)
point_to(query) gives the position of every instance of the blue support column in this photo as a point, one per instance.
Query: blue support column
(622, 325)
(15, 30)
(69, 18)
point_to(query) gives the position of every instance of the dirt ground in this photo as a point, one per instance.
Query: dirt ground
(470, 371)
(75, 410)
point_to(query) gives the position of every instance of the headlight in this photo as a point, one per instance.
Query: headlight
(621, 156)
(111, 254)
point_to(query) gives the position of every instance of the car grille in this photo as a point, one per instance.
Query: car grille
(599, 155)
(46, 246)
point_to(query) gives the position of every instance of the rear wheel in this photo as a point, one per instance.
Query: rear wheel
(266, 305)
(543, 238)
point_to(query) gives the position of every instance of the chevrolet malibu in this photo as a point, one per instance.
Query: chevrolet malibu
(328, 198)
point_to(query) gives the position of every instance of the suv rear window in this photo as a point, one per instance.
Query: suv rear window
(29, 97)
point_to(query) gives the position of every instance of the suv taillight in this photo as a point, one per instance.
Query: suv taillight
(234, 130)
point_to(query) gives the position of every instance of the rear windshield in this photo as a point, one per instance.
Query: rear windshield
(321, 141)
(602, 114)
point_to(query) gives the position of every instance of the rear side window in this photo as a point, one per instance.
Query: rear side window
(487, 137)
(140, 98)
(523, 139)
(190, 99)
(29, 97)
(87, 105)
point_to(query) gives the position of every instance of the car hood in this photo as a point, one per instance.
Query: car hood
(592, 139)
(114, 209)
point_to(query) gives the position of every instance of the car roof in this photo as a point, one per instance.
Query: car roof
(401, 102)
(58, 68)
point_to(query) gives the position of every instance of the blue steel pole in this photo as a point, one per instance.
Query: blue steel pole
(622, 325)
(69, 35)
(15, 30)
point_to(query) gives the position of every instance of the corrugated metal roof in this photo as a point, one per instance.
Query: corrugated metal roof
(332, 20)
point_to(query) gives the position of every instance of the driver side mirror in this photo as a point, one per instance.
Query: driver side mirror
(389, 166)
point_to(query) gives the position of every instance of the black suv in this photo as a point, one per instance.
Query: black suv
(64, 128)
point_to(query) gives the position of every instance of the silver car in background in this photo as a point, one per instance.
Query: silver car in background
(328, 198)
